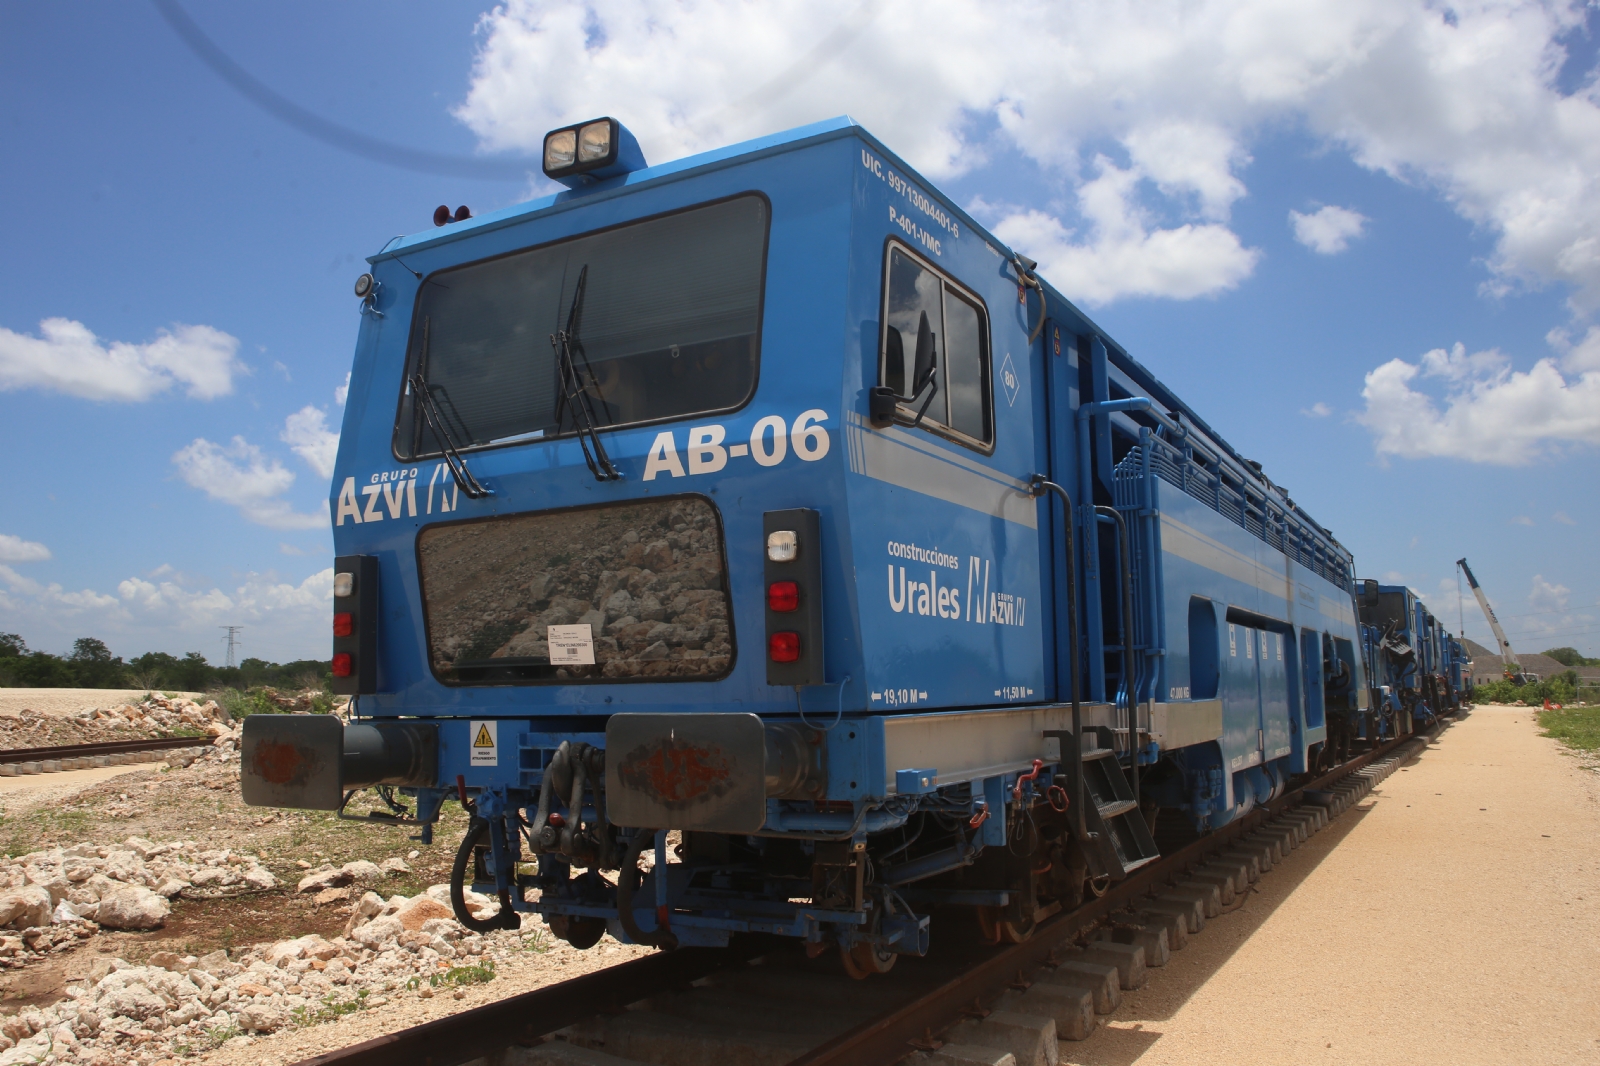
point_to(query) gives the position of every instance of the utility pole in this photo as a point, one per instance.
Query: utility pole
(233, 642)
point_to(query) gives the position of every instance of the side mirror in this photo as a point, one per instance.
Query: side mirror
(894, 362)
(926, 360)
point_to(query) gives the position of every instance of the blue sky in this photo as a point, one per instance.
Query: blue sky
(171, 435)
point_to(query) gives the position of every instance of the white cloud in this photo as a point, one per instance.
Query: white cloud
(16, 550)
(1547, 596)
(1328, 231)
(1463, 101)
(52, 595)
(306, 432)
(68, 358)
(1491, 413)
(1317, 410)
(238, 474)
(163, 608)
(340, 392)
(1578, 357)
(1522, 520)
(1123, 256)
(257, 598)
(1564, 518)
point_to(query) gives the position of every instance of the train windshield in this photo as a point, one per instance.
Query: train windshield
(662, 319)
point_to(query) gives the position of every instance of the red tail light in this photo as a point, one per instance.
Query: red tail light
(343, 665)
(783, 647)
(783, 596)
(343, 624)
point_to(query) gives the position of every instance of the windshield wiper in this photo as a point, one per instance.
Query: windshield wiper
(425, 409)
(575, 393)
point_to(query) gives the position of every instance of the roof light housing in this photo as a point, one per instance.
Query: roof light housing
(587, 152)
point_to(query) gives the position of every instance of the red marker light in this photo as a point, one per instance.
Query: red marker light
(783, 647)
(343, 624)
(343, 665)
(783, 596)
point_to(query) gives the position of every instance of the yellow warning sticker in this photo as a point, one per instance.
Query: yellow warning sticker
(485, 743)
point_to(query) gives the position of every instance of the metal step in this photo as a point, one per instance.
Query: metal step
(1116, 840)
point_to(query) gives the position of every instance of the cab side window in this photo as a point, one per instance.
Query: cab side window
(935, 353)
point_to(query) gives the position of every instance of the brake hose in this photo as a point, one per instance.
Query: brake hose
(627, 885)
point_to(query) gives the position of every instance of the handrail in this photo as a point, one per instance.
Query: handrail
(1038, 485)
(1128, 680)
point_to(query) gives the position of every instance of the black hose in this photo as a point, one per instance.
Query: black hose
(627, 884)
(477, 832)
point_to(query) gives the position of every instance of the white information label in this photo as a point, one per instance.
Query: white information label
(571, 645)
(485, 743)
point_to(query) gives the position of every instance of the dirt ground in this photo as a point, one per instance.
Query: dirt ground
(1451, 918)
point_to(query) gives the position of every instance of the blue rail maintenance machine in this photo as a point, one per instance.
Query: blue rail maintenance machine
(765, 499)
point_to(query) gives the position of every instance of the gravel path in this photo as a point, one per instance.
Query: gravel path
(1451, 918)
(14, 701)
(35, 790)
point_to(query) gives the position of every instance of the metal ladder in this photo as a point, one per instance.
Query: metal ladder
(1115, 825)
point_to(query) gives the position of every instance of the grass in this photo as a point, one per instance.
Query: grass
(24, 833)
(479, 974)
(1576, 727)
(332, 1009)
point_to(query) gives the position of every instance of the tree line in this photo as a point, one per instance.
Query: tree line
(91, 665)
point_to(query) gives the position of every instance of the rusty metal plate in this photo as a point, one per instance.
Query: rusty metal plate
(292, 761)
(705, 772)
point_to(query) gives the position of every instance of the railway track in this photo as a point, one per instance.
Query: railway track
(18, 761)
(759, 1004)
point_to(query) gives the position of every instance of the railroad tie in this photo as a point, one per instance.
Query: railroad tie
(1127, 958)
(1071, 1008)
(1102, 982)
(1031, 1038)
(1190, 905)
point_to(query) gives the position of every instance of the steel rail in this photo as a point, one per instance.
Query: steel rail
(889, 1038)
(523, 1019)
(115, 747)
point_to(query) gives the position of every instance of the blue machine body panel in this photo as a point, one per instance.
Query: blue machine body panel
(944, 576)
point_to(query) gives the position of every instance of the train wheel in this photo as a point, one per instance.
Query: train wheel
(581, 933)
(997, 930)
(862, 960)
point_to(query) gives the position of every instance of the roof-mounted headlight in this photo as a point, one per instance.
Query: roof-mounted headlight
(581, 154)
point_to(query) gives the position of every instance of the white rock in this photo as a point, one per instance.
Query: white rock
(317, 880)
(360, 870)
(171, 888)
(217, 965)
(311, 946)
(67, 911)
(260, 1018)
(140, 846)
(135, 907)
(394, 866)
(379, 932)
(23, 908)
(259, 877)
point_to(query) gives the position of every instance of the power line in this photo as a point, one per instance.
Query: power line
(331, 133)
(233, 642)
